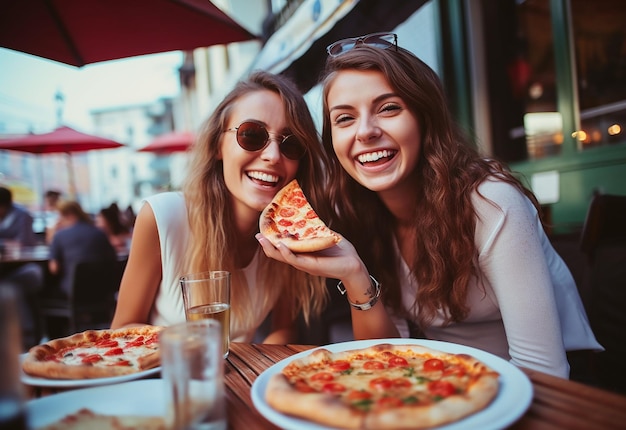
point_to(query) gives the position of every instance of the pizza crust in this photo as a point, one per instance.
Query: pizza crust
(37, 362)
(324, 237)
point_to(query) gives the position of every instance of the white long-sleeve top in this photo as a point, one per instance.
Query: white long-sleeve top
(529, 311)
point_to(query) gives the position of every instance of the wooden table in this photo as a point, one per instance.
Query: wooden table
(557, 403)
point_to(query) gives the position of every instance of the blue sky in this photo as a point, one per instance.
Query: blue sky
(28, 85)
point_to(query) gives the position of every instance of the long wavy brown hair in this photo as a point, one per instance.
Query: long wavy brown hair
(211, 218)
(450, 170)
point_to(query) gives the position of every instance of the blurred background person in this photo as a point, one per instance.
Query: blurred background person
(52, 199)
(77, 239)
(26, 280)
(109, 220)
(16, 223)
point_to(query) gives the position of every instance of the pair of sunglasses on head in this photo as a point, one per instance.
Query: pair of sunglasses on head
(253, 136)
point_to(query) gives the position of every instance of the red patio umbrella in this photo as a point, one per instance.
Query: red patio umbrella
(62, 140)
(176, 141)
(80, 32)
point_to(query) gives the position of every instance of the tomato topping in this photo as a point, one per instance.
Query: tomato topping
(322, 376)
(114, 351)
(359, 395)
(433, 364)
(401, 383)
(372, 365)
(396, 361)
(93, 358)
(303, 387)
(107, 343)
(333, 387)
(284, 223)
(381, 383)
(340, 365)
(121, 363)
(389, 402)
(441, 388)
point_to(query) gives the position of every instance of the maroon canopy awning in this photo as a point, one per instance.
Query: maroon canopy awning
(80, 32)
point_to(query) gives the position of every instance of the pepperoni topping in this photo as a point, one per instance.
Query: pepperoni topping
(121, 363)
(92, 358)
(107, 343)
(114, 351)
(297, 200)
(287, 212)
(285, 223)
(311, 215)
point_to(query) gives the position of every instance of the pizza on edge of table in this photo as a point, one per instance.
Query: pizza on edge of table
(95, 354)
(86, 419)
(289, 218)
(383, 387)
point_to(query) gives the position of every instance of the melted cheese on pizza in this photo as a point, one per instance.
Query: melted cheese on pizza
(118, 351)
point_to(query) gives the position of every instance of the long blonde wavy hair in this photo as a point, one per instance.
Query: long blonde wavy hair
(211, 218)
(449, 172)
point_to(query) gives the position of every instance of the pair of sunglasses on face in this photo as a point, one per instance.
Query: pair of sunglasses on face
(253, 136)
(377, 40)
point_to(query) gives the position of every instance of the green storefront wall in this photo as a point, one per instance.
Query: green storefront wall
(601, 169)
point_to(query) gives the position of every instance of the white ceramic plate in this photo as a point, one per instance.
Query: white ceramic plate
(514, 397)
(145, 398)
(81, 383)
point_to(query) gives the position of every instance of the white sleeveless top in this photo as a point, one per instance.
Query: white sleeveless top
(170, 213)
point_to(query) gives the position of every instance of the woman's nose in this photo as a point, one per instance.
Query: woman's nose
(368, 129)
(272, 151)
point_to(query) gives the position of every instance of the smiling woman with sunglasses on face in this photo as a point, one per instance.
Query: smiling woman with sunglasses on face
(258, 139)
(454, 239)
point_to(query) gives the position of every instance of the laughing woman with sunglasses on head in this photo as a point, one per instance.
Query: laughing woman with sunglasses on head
(258, 139)
(454, 239)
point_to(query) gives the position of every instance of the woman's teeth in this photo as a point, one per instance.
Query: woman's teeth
(375, 156)
(265, 177)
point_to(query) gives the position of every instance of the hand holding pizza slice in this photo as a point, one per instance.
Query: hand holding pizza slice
(290, 219)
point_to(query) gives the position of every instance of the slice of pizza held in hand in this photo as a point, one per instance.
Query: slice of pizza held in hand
(290, 219)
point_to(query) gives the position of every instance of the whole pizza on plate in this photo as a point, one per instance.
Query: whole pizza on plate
(383, 386)
(95, 354)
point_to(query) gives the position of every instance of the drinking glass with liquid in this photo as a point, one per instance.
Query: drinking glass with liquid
(206, 295)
